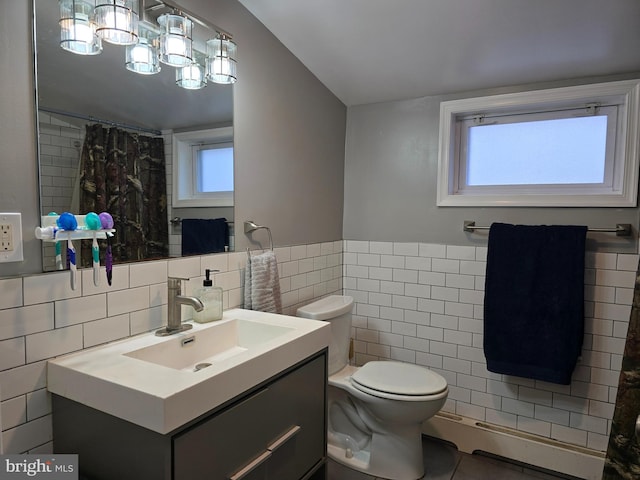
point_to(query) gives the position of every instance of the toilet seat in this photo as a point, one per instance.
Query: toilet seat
(398, 381)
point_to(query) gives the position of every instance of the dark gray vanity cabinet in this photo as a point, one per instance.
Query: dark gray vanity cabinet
(276, 431)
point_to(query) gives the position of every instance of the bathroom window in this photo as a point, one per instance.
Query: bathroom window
(203, 168)
(575, 146)
(214, 168)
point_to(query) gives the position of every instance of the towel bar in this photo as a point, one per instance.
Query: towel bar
(621, 229)
(178, 220)
(250, 226)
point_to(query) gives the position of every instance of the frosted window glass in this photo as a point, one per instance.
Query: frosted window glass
(560, 151)
(215, 170)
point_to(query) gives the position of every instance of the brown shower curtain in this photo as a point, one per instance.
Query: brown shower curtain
(123, 173)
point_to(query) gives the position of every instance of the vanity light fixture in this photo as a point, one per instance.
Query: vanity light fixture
(193, 76)
(221, 59)
(176, 41)
(84, 24)
(117, 21)
(77, 31)
(143, 57)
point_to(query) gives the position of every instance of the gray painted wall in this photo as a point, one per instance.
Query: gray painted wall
(19, 179)
(289, 137)
(289, 134)
(391, 165)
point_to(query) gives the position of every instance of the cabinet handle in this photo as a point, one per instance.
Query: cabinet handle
(247, 469)
(282, 439)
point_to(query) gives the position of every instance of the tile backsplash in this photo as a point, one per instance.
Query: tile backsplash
(423, 303)
(41, 317)
(415, 302)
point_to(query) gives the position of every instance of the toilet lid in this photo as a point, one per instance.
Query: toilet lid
(399, 378)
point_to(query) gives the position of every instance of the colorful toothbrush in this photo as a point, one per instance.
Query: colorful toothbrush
(67, 221)
(107, 223)
(71, 258)
(92, 221)
(108, 259)
(58, 247)
(58, 256)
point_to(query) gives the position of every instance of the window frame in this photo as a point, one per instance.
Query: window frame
(623, 191)
(185, 192)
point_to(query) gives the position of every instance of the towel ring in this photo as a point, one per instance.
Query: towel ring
(250, 226)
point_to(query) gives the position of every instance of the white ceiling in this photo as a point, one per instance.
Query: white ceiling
(368, 51)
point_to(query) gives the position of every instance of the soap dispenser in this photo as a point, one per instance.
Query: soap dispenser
(211, 298)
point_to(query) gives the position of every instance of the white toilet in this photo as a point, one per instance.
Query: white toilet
(375, 412)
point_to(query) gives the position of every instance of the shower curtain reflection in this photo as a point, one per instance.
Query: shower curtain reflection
(123, 173)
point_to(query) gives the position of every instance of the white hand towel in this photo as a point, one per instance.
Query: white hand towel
(262, 283)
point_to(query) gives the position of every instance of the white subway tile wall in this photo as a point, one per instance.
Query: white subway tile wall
(41, 317)
(60, 147)
(418, 303)
(423, 303)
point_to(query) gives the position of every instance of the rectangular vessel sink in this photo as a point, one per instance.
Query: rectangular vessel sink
(200, 349)
(153, 382)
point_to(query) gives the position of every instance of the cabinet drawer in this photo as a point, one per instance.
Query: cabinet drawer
(277, 432)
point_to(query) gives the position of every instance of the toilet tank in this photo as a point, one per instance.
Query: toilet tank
(335, 309)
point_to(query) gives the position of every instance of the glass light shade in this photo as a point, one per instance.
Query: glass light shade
(176, 44)
(221, 60)
(77, 32)
(117, 21)
(193, 76)
(142, 57)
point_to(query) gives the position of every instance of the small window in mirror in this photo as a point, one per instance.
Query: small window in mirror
(214, 168)
(203, 168)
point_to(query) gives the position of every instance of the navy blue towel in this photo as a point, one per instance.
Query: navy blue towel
(201, 236)
(534, 300)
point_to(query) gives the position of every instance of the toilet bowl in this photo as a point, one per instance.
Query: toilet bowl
(375, 412)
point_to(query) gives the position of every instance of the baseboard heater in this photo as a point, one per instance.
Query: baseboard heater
(471, 435)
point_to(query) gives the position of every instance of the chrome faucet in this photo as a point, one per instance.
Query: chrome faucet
(174, 314)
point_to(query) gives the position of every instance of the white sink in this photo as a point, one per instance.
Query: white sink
(162, 383)
(197, 350)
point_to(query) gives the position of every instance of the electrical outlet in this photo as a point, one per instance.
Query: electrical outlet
(11, 237)
(6, 237)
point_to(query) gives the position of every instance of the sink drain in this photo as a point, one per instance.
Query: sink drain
(200, 366)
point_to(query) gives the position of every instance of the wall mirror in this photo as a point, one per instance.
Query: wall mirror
(75, 92)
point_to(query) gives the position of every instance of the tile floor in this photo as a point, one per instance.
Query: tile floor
(444, 462)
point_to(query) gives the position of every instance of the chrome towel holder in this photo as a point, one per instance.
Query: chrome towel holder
(621, 229)
(250, 226)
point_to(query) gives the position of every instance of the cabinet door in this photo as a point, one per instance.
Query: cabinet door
(277, 432)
